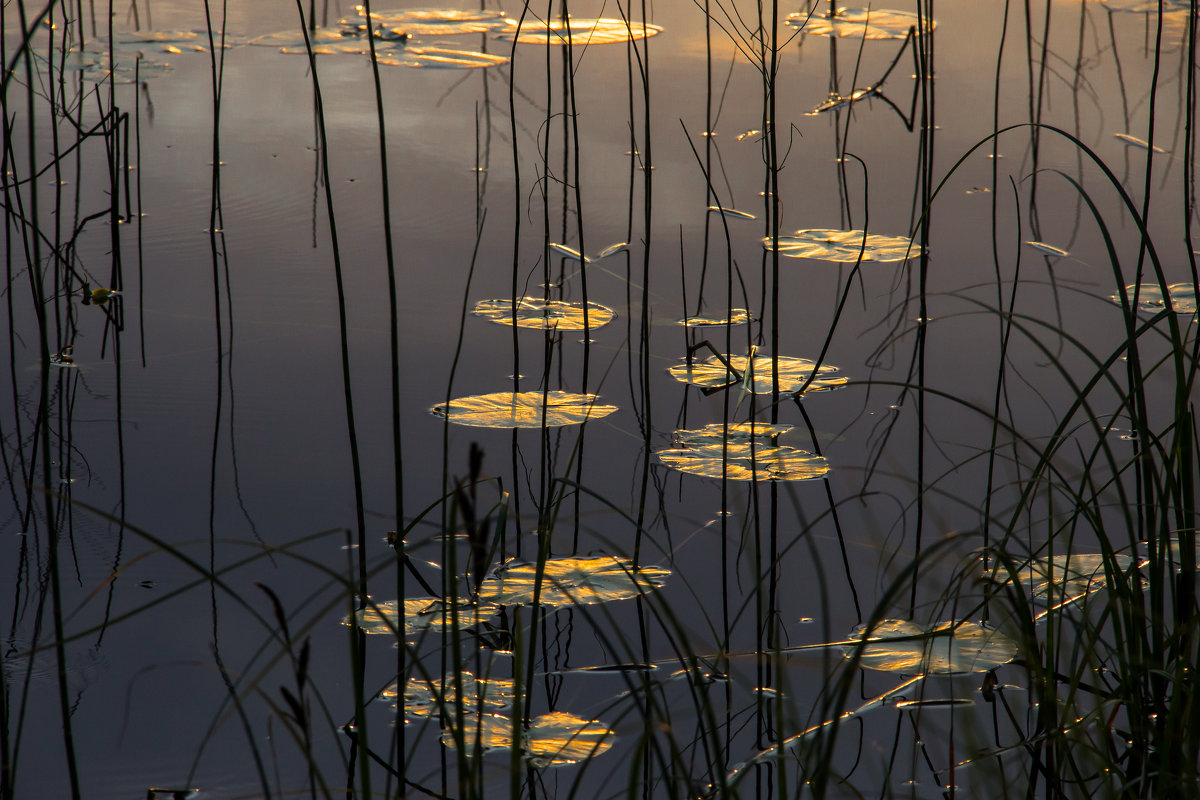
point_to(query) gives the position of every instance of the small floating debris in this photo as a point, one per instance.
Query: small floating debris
(99, 296)
(420, 614)
(63, 358)
(579, 32)
(570, 581)
(534, 312)
(736, 316)
(868, 23)
(730, 212)
(1134, 141)
(748, 134)
(944, 648)
(1047, 249)
(943, 702)
(715, 372)
(523, 409)
(569, 252)
(837, 101)
(613, 249)
(552, 740)
(844, 246)
(1151, 300)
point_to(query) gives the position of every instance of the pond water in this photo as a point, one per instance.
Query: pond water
(232, 438)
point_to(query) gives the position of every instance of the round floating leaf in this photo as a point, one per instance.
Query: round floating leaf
(737, 316)
(436, 21)
(424, 698)
(579, 31)
(534, 312)
(741, 461)
(713, 434)
(866, 22)
(571, 581)
(420, 614)
(845, 246)
(1068, 575)
(442, 58)
(552, 740)
(711, 373)
(1151, 299)
(523, 409)
(946, 648)
(559, 738)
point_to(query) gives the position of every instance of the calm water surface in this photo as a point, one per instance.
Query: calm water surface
(228, 440)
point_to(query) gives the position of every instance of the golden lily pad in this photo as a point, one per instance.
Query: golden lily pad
(844, 246)
(945, 648)
(552, 740)
(420, 614)
(441, 58)
(869, 23)
(436, 21)
(744, 461)
(534, 312)
(570, 581)
(736, 316)
(523, 409)
(1151, 299)
(424, 698)
(1067, 575)
(711, 373)
(713, 434)
(580, 32)
(325, 41)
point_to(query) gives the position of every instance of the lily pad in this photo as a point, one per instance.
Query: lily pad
(552, 740)
(740, 461)
(420, 614)
(534, 312)
(844, 246)
(437, 21)
(523, 409)
(736, 316)
(1068, 575)
(424, 698)
(713, 434)
(711, 373)
(442, 58)
(580, 32)
(571, 581)
(945, 648)
(1151, 299)
(869, 23)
